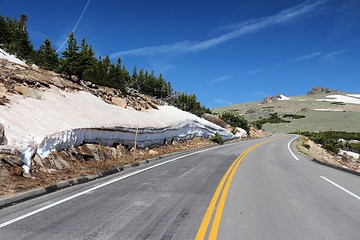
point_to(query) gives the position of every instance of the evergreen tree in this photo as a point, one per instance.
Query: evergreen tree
(14, 37)
(46, 56)
(70, 56)
(85, 59)
(190, 104)
(4, 31)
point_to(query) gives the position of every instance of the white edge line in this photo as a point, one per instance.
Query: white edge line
(102, 185)
(296, 158)
(342, 188)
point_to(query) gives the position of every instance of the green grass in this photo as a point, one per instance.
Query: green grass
(348, 120)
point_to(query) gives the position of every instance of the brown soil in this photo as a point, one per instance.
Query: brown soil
(13, 182)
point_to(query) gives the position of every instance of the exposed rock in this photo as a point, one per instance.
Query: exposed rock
(27, 92)
(2, 134)
(266, 100)
(35, 67)
(56, 162)
(3, 90)
(11, 160)
(4, 172)
(120, 102)
(318, 89)
(216, 120)
(255, 133)
(152, 152)
(38, 163)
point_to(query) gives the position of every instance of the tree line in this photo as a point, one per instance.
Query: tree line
(80, 60)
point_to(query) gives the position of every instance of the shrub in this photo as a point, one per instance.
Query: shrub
(293, 116)
(217, 138)
(307, 146)
(273, 118)
(235, 120)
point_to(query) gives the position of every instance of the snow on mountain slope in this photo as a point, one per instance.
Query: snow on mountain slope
(11, 58)
(60, 120)
(351, 98)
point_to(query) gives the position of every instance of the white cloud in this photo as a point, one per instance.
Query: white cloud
(219, 79)
(334, 53)
(306, 57)
(238, 30)
(256, 71)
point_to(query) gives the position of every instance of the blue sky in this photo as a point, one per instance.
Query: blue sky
(226, 52)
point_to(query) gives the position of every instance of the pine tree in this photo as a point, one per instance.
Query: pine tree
(85, 59)
(24, 48)
(70, 56)
(46, 56)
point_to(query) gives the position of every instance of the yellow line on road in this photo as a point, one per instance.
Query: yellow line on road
(226, 180)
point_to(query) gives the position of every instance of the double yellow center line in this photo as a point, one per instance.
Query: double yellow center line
(222, 188)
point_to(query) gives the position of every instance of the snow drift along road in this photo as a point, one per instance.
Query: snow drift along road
(53, 119)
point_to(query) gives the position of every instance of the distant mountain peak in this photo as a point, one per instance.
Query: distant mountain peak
(319, 89)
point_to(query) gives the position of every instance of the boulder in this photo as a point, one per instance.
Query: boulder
(216, 120)
(152, 152)
(35, 67)
(3, 90)
(2, 134)
(120, 102)
(27, 92)
(255, 133)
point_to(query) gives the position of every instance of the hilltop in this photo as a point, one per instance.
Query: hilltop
(321, 109)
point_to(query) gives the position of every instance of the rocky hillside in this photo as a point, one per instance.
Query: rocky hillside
(41, 113)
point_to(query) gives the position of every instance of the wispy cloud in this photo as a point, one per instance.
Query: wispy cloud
(264, 69)
(300, 59)
(306, 57)
(237, 30)
(256, 71)
(222, 101)
(219, 79)
(335, 53)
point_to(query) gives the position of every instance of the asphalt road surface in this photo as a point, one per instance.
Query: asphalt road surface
(247, 190)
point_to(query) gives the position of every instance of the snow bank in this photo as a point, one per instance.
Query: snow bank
(282, 97)
(11, 58)
(341, 98)
(61, 120)
(349, 153)
(354, 95)
(329, 110)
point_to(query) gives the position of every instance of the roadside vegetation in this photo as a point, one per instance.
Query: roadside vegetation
(79, 62)
(235, 120)
(273, 118)
(333, 141)
(217, 139)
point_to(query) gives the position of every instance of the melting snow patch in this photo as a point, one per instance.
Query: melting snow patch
(354, 95)
(282, 97)
(11, 58)
(340, 98)
(328, 110)
(63, 120)
(348, 153)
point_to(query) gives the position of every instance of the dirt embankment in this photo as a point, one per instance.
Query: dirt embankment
(308, 147)
(88, 159)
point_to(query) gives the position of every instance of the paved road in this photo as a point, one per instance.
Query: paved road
(269, 196)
